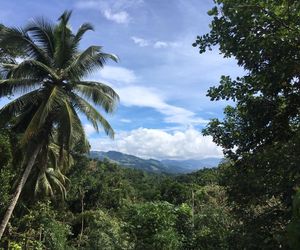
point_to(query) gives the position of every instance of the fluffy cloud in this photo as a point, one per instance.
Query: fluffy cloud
(118, 74)
(123, 80)
(155, 44)
(89, 129)
(113, 10)
(140, 41)
(160, 44)
(118, 17)
(146, 97)
(160, 144)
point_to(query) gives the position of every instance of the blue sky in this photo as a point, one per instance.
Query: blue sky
(161, 79)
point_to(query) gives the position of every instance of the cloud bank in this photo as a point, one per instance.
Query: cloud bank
(132, 94)
(160, 144)
(146, 97)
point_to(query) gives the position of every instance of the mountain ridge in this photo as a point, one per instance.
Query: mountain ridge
(154, 165)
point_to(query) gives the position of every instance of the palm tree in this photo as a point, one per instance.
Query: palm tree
(53, 94)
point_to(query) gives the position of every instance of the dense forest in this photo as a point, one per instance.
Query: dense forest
(109, 207)
(52, 196)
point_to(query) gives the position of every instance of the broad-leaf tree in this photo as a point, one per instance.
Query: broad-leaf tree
(261, 133)
(52, 93)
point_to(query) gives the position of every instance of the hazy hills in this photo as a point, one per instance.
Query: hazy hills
(156, 166)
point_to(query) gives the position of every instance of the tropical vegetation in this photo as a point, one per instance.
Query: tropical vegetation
(66, 200)
(50, 81)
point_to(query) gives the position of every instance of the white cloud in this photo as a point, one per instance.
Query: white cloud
(118, 17)
(118, 74)
(140, 96)
(160, 44)
(159, 144)
(163, 44)
(140, 41)
(113, 10)
(89, 129)
(125, 120)
(155, 44)
(124, 80)
(146, 97)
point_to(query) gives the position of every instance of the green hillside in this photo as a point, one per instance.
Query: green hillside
(110, 207)
(155, 166)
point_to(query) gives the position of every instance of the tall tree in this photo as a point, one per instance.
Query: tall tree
(261, 133)
(53, 92)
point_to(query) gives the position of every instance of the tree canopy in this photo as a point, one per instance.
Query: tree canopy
(260, 132)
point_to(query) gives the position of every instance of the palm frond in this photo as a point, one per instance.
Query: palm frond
(81, 31)
(43, 185)
(70, 122)
(83, 63)
(19, 38)
(16, 107)
(53, 100)
(53, 155)
(57, 181)
(30, 68)
(66, 125)
(101, 87)
(87, 62)
(54, 158)
(65, 17)
(42, 32)
(92, 115)
(13, 86)
(79, 136)
(33, 127)
(65, 47)
(101, 94)
(106, 56)
(48, 176)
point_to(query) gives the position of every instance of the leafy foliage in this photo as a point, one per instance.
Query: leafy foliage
(103, 231)
(6, 173)
(251, 201)
(49, 79)
(260, 134)
(53, 93)
(152, 225)
(110, 207)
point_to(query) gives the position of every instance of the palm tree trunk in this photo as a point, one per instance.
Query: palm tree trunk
(82, 219)
(18, 191)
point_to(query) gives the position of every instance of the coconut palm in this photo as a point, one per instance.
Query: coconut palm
(48, 174)
(53, 93)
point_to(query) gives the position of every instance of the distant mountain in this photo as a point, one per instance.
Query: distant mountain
(129, 161)
(155, 166)
(192, 165)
